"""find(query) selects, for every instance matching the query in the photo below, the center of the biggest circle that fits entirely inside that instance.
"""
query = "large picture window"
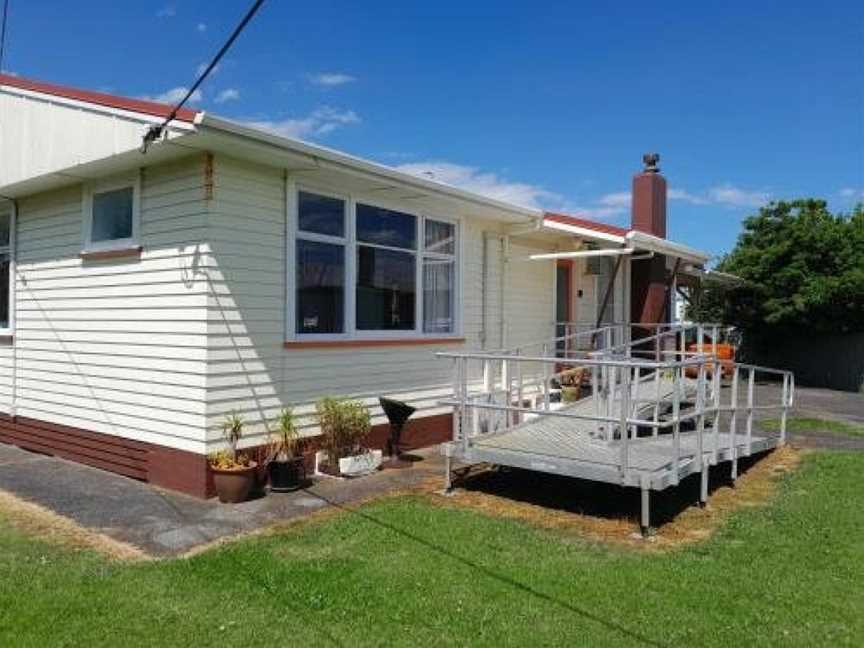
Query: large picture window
(364, 270)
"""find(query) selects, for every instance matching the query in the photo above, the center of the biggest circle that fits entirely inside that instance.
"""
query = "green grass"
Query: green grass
(801, 424)
(404, 572)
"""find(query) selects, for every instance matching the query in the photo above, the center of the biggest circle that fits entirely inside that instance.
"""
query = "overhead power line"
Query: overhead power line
(155, 131)
(3, 32)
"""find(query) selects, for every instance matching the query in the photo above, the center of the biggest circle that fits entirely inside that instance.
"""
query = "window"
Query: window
(386, 270)
(111, 215)
(5, 270)
(439, 277)
(363, 270)
(320, 264)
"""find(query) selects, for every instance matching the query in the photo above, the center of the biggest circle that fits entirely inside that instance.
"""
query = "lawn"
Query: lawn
(802, 424)
(404, 571)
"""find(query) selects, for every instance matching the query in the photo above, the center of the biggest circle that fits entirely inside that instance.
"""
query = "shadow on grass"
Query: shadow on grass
(488, 572)
(598, 499)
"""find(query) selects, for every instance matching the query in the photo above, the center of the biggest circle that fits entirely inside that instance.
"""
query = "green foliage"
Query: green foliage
(344, 424)
(232, 430)
(286, 442)
(803, 267)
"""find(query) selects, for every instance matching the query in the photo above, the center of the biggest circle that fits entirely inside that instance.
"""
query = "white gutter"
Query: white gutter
(583, 232)
(326, 157)
(642, 241)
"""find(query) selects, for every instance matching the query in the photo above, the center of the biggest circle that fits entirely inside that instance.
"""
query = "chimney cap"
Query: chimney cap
(650, 160)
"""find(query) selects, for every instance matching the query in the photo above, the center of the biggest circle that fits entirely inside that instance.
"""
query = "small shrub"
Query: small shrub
(343, 424)
(286, 443)
(228, 459)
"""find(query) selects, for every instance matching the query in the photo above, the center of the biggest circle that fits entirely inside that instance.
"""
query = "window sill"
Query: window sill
(115, 253)
(383, 342)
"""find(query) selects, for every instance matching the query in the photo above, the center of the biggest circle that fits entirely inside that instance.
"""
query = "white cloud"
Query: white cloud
(731, 196)
(319, 122)
(167, 12)
(331, 79)
(203, 66)
(9, 73)
(174, 95)
(228, 94)
(620, 199)
(852, 194)
(201, 27)
(685, 196)
(482, 182)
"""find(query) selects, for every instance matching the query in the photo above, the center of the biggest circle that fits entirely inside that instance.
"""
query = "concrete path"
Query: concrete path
(164, 523)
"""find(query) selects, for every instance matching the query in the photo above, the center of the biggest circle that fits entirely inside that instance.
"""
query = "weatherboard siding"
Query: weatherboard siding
(250, 372)
(115, 346)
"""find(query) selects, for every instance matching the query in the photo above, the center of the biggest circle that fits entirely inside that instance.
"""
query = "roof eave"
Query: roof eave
(341, 161)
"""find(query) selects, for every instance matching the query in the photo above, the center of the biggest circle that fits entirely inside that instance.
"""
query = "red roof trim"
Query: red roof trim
(99, 98)
(566, 219)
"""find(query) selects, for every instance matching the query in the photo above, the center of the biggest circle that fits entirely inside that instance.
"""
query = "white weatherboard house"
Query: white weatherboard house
(144, 296)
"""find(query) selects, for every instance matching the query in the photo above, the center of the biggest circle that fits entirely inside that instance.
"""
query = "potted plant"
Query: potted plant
(344, 424)
(233, 472)
(571, 384)
(285, 461)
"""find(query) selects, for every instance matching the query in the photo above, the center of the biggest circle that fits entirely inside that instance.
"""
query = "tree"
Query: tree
(803, 270)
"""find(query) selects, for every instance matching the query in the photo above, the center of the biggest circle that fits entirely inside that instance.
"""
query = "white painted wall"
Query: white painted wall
(41, 133)
(248, 369)
(119, 346)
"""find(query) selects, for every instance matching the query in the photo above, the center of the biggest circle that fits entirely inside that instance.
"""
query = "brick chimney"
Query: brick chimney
(649, 198)
(649, 297)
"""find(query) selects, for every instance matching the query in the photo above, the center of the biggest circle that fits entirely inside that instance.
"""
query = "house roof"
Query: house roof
(142, 106)
(212, 132)
(567, 219)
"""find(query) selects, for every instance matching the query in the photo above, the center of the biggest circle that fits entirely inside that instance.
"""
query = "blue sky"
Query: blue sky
(550, 104)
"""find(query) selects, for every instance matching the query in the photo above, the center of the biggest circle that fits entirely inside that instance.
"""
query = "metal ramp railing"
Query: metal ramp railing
(651, 416)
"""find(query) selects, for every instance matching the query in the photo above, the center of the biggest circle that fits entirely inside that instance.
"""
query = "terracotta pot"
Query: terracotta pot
(234, 486)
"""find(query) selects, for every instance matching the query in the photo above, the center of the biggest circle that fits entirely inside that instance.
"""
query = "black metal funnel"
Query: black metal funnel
(397, 414)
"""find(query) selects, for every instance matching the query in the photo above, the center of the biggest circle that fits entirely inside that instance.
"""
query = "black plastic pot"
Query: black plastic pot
(288, 475)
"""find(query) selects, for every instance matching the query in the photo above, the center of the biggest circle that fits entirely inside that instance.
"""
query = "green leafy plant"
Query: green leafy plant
(232, 431)
(286, 442)
(344, 424)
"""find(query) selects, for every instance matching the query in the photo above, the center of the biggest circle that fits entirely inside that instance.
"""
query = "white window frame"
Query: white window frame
(113, 184)
(9, 249)
(351, 244)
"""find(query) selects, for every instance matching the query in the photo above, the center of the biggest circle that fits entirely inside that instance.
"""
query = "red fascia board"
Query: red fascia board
(99, 98)
(566, 219)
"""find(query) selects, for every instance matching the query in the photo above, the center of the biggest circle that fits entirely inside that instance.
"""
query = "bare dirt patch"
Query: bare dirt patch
(48, 526)
(609, 514)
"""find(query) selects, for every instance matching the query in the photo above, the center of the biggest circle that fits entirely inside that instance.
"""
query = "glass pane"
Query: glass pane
(440, 237)
(320, 287)
(439, 292)
(386, 227)
(112, 215)
(5, 221)
(385, 290)
(4, 291)
(320, 214)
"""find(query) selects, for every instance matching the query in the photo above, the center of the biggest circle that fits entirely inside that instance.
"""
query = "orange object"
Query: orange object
(725, 355)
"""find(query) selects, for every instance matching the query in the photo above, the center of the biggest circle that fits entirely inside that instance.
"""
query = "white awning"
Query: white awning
(581, 254)
(710, 275)
(642, 241)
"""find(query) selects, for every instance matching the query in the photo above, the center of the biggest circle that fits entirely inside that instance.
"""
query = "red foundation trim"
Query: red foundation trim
(171, 468)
